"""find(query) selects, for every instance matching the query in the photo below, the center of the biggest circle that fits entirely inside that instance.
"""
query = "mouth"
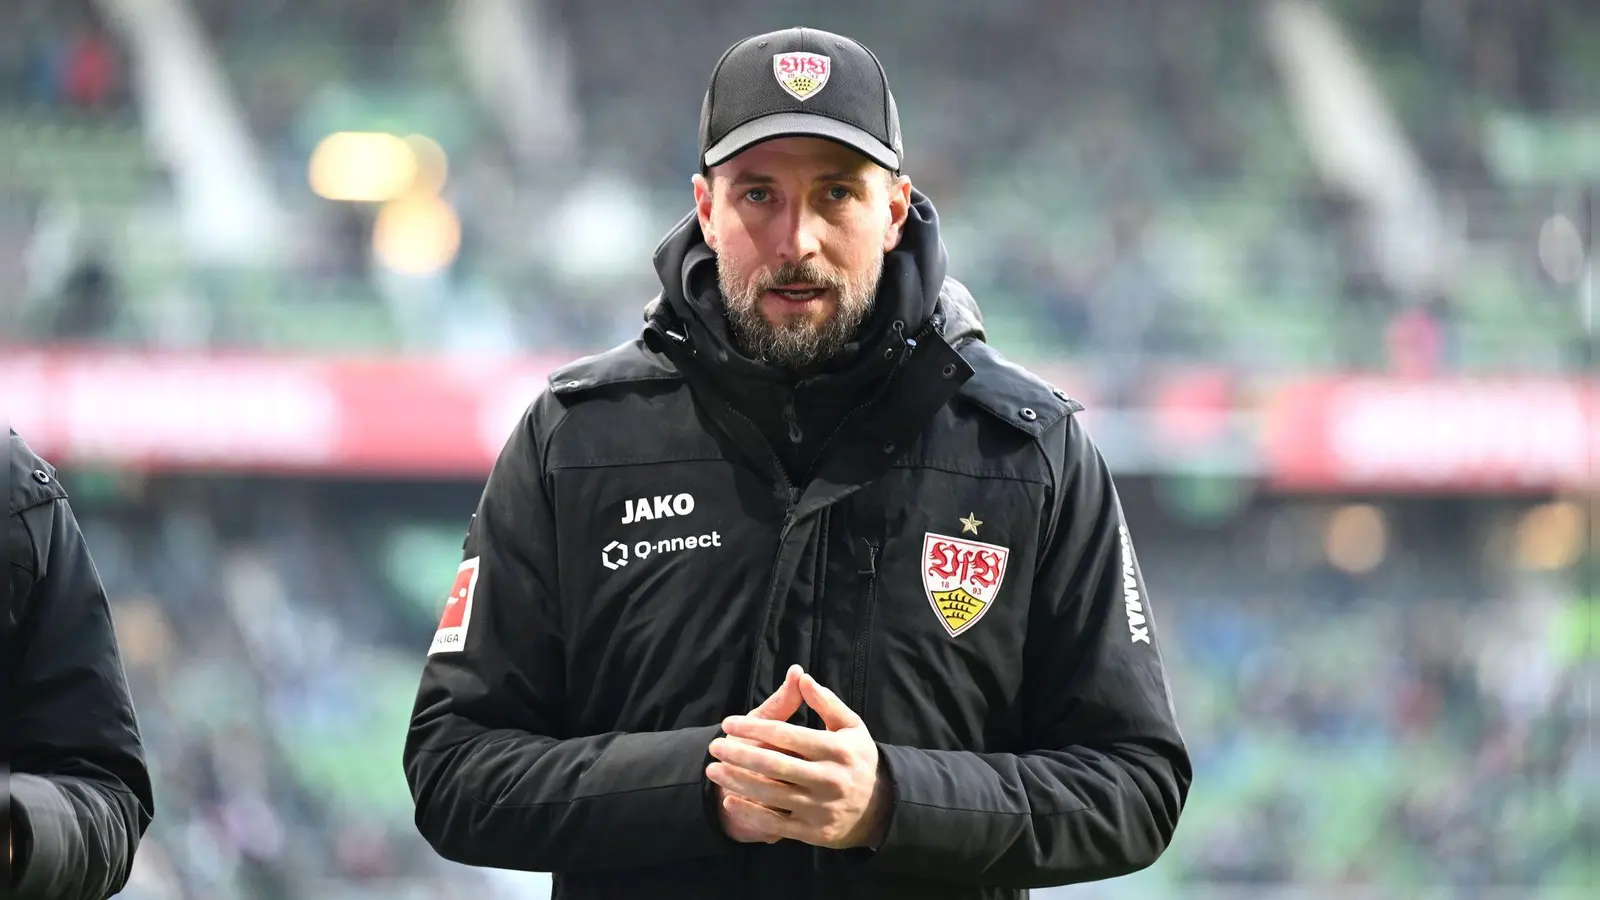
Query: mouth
(797, 293)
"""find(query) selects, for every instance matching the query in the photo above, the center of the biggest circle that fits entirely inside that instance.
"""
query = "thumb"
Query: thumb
(784, 702)
(836, 716)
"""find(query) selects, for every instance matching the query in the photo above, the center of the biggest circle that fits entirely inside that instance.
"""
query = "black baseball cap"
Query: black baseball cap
(799, 82)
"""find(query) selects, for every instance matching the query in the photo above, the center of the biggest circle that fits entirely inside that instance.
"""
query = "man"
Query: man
(79, 791)
(807, 592)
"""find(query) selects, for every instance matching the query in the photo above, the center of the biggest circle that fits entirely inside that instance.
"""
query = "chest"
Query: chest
(689, 586)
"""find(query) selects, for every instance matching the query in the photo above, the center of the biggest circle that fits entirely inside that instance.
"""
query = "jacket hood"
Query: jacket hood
(910, 291)
(961, 319)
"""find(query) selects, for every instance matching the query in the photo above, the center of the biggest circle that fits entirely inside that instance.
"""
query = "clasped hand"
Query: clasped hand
(780, 781)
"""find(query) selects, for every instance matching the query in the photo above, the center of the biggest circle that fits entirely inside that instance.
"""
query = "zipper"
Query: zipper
(791, 499)
(863, 640)
(812, 720)
(816, 610)
(792, 495)
(822, 450)
(789, 489)
(858, 690)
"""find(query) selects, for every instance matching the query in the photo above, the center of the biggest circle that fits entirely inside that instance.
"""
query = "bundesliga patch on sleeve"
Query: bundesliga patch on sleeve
(452, 634)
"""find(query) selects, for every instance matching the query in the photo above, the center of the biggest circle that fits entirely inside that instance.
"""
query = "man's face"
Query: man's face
(800, 227)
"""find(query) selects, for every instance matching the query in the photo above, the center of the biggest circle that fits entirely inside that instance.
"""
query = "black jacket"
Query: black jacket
(80, 797)
(641, 565)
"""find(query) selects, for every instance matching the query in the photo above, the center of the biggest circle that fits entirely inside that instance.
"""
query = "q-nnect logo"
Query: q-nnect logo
(616, 554)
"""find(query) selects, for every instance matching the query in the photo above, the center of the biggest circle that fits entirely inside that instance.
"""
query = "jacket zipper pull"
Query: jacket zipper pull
(795, 435)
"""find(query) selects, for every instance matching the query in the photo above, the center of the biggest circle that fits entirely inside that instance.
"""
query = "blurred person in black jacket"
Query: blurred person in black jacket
(77, 796)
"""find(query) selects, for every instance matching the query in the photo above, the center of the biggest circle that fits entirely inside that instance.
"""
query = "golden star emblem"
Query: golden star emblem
(971, 523)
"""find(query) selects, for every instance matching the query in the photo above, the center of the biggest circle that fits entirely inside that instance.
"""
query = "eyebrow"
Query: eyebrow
(756, 178)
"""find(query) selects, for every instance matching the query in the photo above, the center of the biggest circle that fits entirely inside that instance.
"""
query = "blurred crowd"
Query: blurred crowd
(1410, 727)
(272, 660)
(61, 55)
(1421, 726)
(1126, 183)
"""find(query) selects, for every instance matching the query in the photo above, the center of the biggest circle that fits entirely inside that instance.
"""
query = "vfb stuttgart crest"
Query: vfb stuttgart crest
(961, 578)
(801, 74)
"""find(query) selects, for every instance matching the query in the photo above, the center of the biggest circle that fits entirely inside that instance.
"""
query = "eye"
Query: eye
(839, 192)
(756, 195)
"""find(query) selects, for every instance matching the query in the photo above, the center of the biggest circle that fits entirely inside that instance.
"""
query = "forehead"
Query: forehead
(796, 157)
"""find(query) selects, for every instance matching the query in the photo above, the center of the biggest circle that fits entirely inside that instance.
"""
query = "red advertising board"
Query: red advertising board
(449, 418)
(1451, 434)
(269, 413)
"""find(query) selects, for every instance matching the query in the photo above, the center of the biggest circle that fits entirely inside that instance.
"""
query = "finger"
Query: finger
(801, 773)
(754, 817)
(775, 795)
(807, 743)
(833, 711)
(785, 701)
(764, 746)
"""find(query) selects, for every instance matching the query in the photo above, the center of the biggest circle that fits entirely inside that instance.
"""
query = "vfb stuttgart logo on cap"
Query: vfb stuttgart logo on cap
(801, 74)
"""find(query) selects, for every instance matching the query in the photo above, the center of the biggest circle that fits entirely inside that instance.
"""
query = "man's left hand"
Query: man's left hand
(830, 786)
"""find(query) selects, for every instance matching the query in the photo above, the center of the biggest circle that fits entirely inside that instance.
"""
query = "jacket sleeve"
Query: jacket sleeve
(499, 777)
(1105, 773)
(80, 790)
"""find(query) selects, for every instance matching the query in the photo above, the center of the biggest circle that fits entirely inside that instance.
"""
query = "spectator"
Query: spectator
(90, 72)
(1415, 339)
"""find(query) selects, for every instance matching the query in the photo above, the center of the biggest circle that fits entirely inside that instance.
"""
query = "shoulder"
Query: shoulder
(1000, 387)
(33, 491)
(627, 369)
(1012, 394)
(592, 407)
(1059, 445)
(629, 364)
(33, 480)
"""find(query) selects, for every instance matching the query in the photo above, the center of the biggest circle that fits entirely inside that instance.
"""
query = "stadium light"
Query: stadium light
(433, 164)
(362, 167)
(416, 234)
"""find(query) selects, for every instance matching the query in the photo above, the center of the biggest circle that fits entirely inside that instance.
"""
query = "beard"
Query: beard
(797, 342)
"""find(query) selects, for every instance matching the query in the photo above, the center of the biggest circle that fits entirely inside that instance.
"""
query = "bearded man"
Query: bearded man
(806, 592)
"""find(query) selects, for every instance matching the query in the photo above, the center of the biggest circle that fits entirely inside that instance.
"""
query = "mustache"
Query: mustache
(788, 273)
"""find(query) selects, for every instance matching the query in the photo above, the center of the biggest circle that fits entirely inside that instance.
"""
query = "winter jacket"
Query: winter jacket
(79, 790)
(954, 564)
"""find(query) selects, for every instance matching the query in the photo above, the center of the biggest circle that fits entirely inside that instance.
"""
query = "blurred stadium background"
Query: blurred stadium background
(281, 273)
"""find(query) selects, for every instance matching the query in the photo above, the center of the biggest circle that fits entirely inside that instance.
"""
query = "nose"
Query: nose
(799, 240)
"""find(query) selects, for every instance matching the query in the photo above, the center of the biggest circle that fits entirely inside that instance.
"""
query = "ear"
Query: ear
(702, 206)
(899, 210)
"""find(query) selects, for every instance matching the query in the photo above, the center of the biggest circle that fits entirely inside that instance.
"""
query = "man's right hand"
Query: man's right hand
(779, 707)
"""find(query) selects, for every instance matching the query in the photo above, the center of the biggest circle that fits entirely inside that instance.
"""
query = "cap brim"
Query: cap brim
(793, 124)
